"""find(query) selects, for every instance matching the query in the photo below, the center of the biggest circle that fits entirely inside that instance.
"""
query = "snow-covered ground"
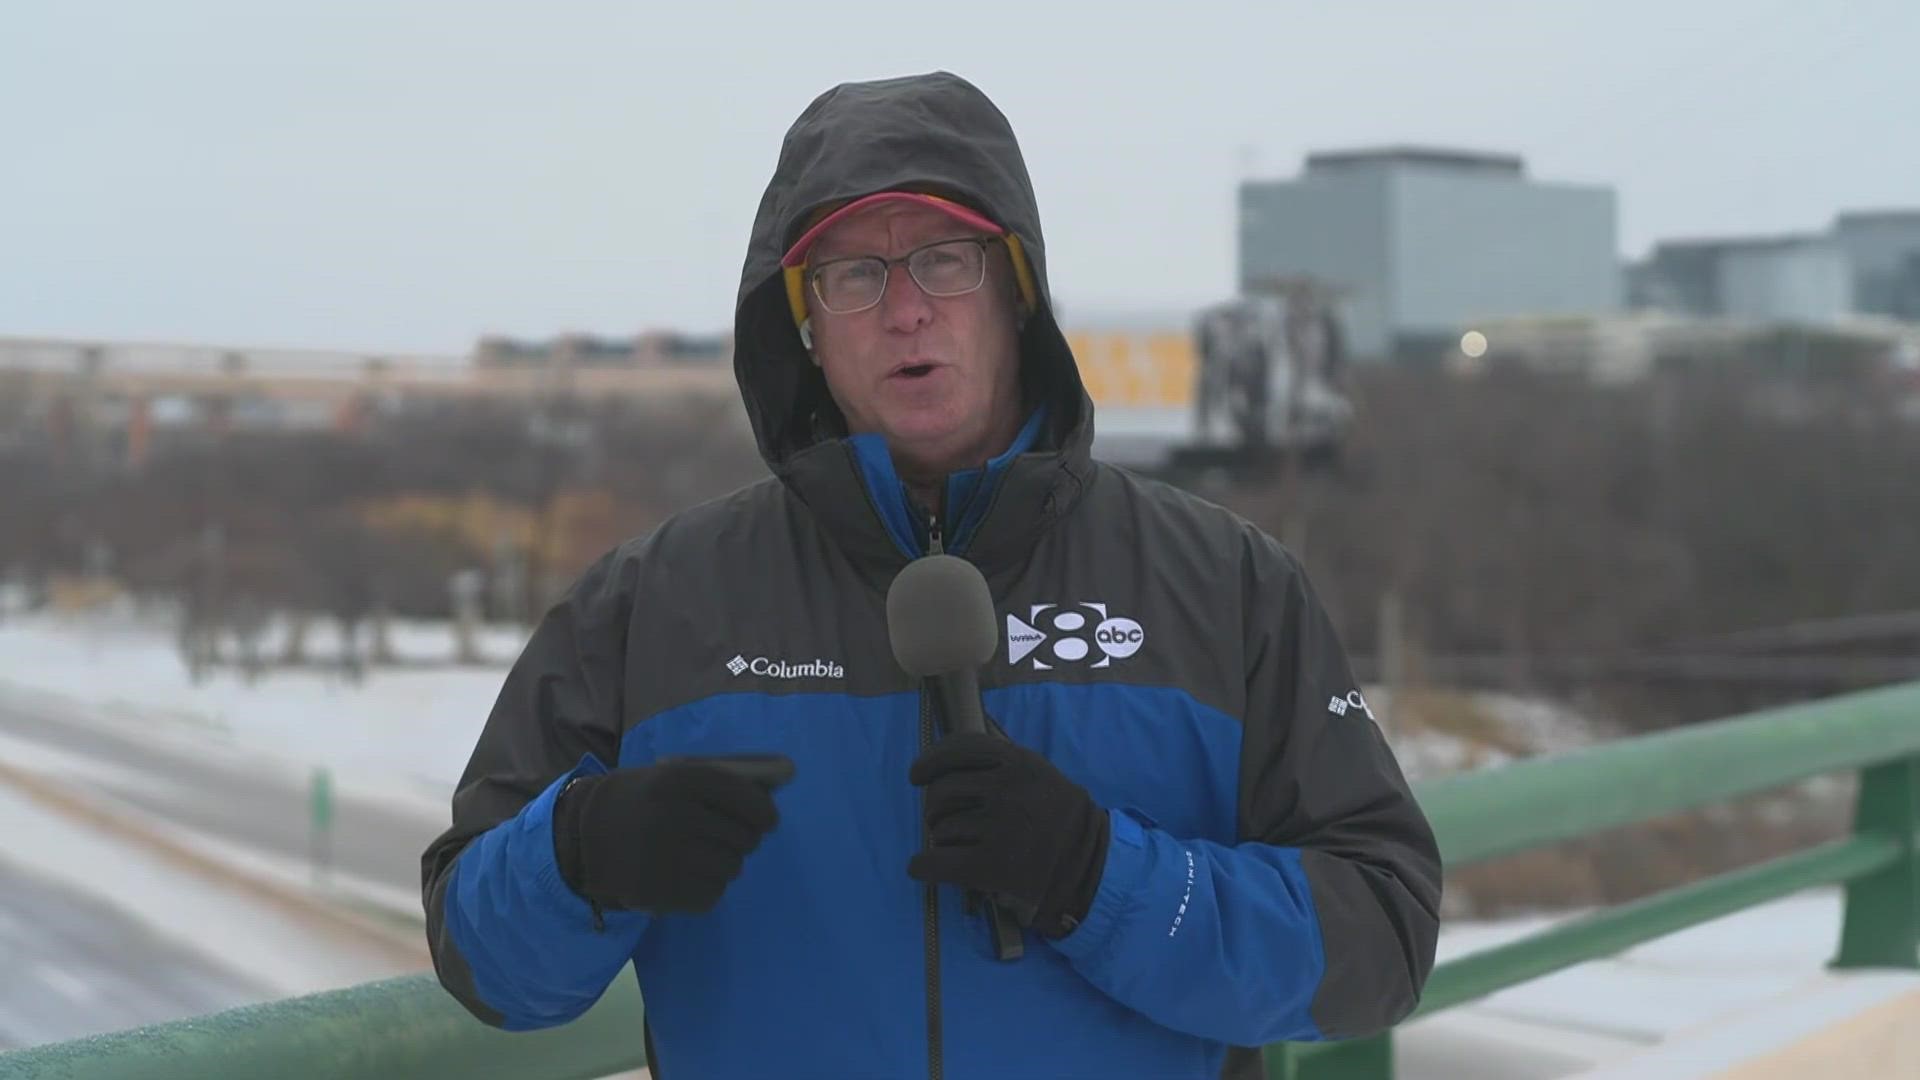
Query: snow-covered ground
(232, 923)
(407, 732)
(1687, 1005)
(400, 724)
(419, 724)
(279, 947)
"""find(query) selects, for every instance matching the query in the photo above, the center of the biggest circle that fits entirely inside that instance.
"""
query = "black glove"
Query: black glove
(658, 838)
(1001, 820)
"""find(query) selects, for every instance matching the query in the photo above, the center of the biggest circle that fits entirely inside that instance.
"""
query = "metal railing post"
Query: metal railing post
(1881, 926)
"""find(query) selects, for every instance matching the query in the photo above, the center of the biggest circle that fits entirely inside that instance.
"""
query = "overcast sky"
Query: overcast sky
(401, 175)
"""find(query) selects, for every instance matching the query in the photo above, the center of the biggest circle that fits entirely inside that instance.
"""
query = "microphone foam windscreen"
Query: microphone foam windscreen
(940, 616)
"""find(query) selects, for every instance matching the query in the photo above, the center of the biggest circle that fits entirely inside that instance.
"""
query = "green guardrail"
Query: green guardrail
(410, 1027)
(403, 1027)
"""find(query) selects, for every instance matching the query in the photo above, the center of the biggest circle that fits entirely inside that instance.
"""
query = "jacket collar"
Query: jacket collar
(995, 513)
(967, 495)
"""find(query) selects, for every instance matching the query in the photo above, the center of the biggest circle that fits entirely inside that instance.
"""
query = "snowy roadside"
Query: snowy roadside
(402, 736)
(67, 780)
(118, 791)
(404, 730)
(359, 773)
(407, 731)
(285, 947)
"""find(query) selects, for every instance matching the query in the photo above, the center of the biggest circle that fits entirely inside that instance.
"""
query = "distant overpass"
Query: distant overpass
(1142, 379)
(138, 370)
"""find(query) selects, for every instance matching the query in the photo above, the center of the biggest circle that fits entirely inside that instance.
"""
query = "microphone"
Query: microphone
(940, 621)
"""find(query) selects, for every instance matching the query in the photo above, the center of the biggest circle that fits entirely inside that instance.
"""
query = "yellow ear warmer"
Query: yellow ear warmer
(1023, 274)
(797, 293)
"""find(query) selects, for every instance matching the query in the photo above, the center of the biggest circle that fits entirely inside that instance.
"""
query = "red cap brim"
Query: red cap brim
(797, 254)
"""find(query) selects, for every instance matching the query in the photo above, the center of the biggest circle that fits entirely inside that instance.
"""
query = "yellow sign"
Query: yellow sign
(1142, 368)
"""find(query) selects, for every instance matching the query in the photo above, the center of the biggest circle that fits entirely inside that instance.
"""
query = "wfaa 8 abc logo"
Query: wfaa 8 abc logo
(1057, 635)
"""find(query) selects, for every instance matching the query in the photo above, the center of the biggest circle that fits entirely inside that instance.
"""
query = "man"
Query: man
(1185, 790)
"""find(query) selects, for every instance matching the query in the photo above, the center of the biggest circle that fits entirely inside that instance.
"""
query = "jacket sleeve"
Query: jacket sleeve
(510, 939)
(1322, 921)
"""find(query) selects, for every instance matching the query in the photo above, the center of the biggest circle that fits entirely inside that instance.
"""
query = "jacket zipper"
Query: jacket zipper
(932, 929)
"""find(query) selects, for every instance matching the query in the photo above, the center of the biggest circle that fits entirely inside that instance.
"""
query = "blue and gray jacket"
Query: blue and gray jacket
(1269, 875)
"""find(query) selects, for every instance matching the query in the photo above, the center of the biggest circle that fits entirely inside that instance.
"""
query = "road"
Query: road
(76, 967)
(265, 809)
(90, 946)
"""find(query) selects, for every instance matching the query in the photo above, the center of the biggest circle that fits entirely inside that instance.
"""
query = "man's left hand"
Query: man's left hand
(1002, 820)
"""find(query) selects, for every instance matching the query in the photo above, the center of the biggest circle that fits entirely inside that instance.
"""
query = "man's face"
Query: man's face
(937, 376)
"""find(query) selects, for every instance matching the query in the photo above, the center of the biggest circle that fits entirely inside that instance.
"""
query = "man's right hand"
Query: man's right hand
(659, 838)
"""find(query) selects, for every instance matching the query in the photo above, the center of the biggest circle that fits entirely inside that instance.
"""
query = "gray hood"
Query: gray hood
(934, 132)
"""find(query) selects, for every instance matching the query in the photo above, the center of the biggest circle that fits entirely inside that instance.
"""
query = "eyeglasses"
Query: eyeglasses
(942, 268)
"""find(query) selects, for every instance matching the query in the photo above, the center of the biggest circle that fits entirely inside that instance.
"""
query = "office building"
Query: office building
(1422, 243)
(1883, 248)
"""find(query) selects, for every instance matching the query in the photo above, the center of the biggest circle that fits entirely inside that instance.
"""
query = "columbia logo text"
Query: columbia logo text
(786, 669)
(1340, 706)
